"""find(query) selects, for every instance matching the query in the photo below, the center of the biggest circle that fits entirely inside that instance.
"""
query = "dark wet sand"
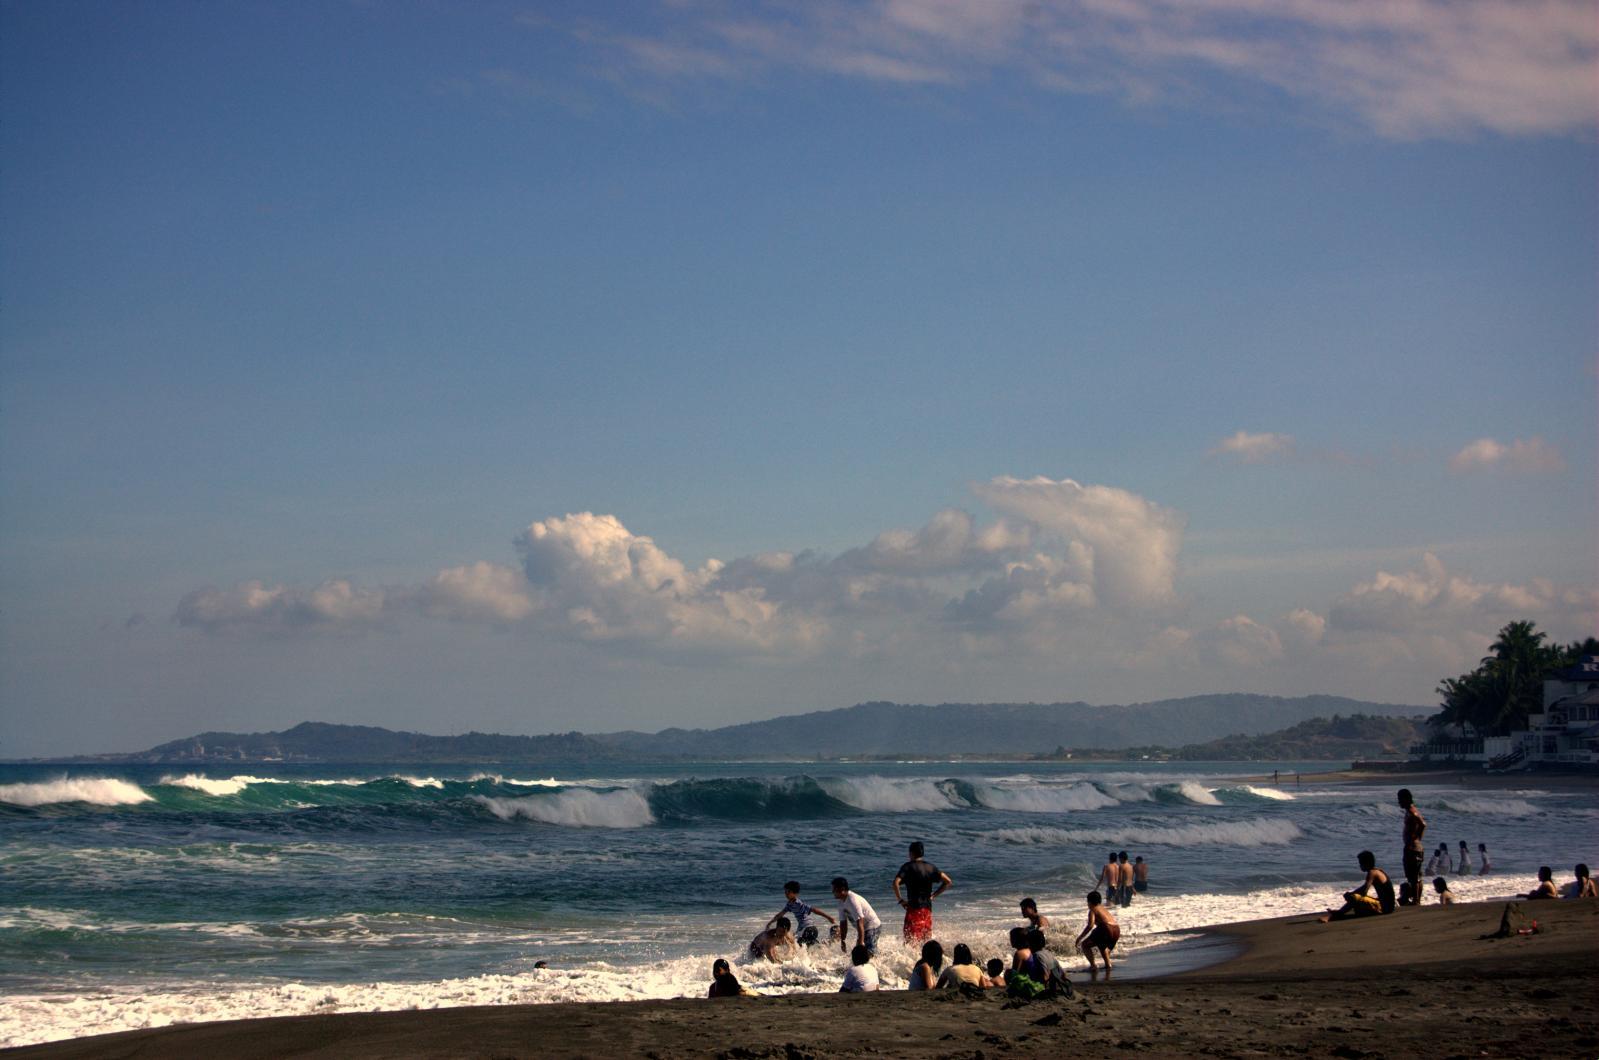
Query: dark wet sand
(1420, 983)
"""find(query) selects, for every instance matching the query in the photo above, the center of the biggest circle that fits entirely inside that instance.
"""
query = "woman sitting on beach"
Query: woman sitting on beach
(961, 971)
(1100, 933)
(1445, 895)
(1361, 901)
(1018, 942)
(925, 975)
(725, 984)
(776, 943)
(1582, 886)
(1546, 885)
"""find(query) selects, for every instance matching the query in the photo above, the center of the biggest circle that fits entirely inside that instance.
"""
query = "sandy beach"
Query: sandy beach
(1421, 983)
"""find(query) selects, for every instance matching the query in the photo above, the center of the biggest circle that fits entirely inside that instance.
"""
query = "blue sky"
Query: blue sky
(545, 366)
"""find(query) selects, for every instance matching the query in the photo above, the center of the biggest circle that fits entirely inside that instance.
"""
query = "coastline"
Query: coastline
(1422, 982)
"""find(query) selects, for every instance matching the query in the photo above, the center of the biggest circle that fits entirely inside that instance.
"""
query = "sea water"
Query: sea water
(139, 896)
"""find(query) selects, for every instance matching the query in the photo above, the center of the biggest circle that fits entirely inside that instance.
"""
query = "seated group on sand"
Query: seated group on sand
(1375, 895)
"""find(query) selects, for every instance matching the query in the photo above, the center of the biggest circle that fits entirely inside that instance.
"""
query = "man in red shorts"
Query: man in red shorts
(919, 876)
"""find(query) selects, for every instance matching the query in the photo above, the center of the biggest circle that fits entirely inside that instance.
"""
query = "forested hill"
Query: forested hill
(863, 730)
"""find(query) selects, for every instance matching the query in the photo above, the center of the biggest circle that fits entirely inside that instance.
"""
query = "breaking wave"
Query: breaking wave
(96, 791)
(1265, 832)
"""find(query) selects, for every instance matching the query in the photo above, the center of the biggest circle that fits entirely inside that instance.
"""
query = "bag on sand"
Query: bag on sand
(1020, 984)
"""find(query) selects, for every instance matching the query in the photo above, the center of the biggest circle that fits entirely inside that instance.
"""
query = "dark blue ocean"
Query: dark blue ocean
(139, 896)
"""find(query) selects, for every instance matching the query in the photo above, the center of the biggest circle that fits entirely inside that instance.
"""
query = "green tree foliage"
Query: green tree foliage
(1507, 685)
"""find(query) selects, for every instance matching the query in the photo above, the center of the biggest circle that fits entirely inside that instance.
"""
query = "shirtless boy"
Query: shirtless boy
(1100, 933)
(1124, 880)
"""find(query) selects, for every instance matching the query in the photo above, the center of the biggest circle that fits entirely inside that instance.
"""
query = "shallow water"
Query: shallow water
(143, 895)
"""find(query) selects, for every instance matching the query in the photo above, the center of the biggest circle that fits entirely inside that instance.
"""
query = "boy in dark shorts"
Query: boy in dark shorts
(1100, 933)
(804, 931)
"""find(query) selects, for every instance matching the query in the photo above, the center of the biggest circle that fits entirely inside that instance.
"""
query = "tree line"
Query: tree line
(1496, 697)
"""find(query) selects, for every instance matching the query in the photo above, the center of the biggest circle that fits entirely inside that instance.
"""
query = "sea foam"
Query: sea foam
(1267, 831)
(100, 791)
(576, 808)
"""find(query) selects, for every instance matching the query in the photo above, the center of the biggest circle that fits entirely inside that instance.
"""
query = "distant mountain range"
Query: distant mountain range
(862, 731)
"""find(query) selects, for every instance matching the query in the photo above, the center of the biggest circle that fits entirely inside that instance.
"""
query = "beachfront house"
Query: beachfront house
(1564, 734)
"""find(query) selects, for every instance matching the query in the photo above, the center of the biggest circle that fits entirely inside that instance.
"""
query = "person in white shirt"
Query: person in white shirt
(1482, 857)
(1464, 868)
(862, 975)
(853, 909)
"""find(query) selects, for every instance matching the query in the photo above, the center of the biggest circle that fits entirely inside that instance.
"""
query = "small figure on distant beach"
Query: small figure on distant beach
(1140, 875)
(1362, 901)
(924, 976)
(1101, 934)
(1583, 886)
(1035, 919)
(1546, 885)
(919, 876)
(1445, 895)
(724, 983)
(804, 931)
(862, 974)
(961, 971)
(1482, 859)
(1124, 880)
(853, 909)
(1464, 868)
(1415, 828)
(775, 943)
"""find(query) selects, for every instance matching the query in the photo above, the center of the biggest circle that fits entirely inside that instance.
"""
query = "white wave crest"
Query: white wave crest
(1490, 806)
(422, 782)
(1270, 831)
(1197, 794)
(886, 795)
(101, 791)
(214, 785)
(578, 808)
(551, 782)
(1044, 798)
(1267, 793)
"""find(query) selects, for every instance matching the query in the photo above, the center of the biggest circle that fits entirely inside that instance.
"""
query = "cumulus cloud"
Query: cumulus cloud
(1414, 69)
(1241, 642)
(1530, 456)
(1432, 599)
(476, 592)
(1254, 448)
(255, 607)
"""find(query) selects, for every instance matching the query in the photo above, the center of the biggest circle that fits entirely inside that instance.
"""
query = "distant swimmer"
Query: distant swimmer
(1464, 868)
(1415, 827)
(919, 876)
(853, 909)
(1484, 865)
(1124, 880)
(804, 930)
(1140, 875)
(1100, 934)
(775, 943)
(1035, 919)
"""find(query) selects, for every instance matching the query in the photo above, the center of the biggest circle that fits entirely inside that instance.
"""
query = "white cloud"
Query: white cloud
(1240, 641)
(1406, 69)
(1432, 600)
(254, 607)
(1254, 448)
(1523, 456)
(476, 592)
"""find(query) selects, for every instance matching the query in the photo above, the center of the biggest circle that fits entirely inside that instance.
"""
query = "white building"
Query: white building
(1565, 732)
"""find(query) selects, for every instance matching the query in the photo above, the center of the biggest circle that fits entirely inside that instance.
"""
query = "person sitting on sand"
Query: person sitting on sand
(1362, 901)
(961, 971)
(804, 930)
(1546, 885)
(925, 975)
(1100, 933)
(775, 943)
(862, 975)
(853, 909)
(1018, 942)
(1464, 868)
(994, 973)
(1582, 886)
(1035, 919)
(1445, 895)
(1044, 965)
(725, 984)
(1140, 875)
(1482, 860)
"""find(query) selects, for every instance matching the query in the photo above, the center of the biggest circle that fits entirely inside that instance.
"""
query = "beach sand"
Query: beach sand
(1419, 983)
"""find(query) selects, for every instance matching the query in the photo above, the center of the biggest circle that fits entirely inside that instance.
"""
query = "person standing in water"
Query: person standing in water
(919, 876)
(1415, 828)
(1464, 868)
(1482, 858)
(1110, 877)
(1140, 875)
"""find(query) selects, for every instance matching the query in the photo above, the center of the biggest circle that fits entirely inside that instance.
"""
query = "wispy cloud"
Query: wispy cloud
(1254, 448)
(1403, 68)
(1530, 456)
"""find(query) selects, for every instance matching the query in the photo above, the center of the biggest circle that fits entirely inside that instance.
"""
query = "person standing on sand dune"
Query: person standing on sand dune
(1415, 828)
(919, 876)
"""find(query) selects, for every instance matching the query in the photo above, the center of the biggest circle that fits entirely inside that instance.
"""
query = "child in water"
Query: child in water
(1100, 933)
(1445, 895)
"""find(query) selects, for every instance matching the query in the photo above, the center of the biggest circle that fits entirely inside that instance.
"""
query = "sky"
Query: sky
(530, 367)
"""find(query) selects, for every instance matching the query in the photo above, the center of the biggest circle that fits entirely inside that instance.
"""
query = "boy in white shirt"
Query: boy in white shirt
(853, 909)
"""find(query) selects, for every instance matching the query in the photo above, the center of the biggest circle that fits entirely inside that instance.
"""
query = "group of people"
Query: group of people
(1121, 879)
(916, 885)
(1439, 863)
(1375, 895)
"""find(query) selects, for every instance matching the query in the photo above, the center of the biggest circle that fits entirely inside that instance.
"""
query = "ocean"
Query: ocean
(137, 896)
